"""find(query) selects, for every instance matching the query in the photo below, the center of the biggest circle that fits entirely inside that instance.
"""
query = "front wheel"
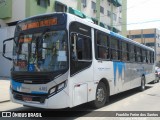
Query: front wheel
(101, 96)
(143, 82)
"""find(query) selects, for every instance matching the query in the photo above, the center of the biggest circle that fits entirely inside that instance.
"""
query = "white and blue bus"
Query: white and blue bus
(61, 60)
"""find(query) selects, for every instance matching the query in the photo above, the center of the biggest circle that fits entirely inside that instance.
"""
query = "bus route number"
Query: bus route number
(42, 88)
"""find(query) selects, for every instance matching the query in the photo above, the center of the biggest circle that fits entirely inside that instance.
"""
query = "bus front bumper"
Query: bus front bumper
(59, 100)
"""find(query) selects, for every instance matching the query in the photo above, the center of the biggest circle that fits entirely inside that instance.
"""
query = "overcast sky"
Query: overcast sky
(146, 13)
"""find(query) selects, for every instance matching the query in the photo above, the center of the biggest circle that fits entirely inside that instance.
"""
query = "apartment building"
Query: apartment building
(110, 14)
(148, 37)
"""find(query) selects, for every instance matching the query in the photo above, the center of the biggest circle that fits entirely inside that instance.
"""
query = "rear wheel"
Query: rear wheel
(101, 96)
(143, 82)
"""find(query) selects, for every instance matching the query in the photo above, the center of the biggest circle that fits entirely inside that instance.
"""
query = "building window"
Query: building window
(60, 7)
(151, 44)
(84, 3)
(135, 36)
(143, 36)
(43, 3)
(102, 10)
(120, 9)
(114, 17)
(93, 5)
(108, 13)
(149, 35)
(120, 20)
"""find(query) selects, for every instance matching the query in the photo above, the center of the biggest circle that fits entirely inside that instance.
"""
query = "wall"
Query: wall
(6, 65)
(17, 9)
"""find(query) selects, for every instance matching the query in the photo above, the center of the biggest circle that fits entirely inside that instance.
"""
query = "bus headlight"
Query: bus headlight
(52, 90)
(57, 88)
(60, 86)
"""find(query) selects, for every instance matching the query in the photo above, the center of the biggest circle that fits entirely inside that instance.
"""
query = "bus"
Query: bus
(61, 61)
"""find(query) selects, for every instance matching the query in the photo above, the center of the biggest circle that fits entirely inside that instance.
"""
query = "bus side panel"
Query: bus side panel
(82, 86)
(104, 70)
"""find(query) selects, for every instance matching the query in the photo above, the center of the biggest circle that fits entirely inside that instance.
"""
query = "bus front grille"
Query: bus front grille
(32, 79)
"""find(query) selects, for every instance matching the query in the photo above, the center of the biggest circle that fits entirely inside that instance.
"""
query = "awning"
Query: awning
(109, 27)
(102, 24)
(59, 8)
(76, 12)
(119, 3)
(89, 19)
(95, 20)
(115, 30)
(116, 3)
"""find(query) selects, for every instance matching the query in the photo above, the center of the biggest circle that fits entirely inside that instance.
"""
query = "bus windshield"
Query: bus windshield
(41, 52)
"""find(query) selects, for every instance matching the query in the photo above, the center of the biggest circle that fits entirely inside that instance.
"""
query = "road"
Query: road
(132, 100)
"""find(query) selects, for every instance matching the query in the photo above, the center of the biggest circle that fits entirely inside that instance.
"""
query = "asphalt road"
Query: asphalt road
(132, 100)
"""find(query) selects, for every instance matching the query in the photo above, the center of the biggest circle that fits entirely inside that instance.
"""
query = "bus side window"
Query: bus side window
(132, 54)
(102, 45)
(125, 56)
(73, 46)
(83, 45)
(114, 49)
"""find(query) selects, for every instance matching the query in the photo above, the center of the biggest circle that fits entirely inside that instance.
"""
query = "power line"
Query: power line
(141, 3)
(139, 22)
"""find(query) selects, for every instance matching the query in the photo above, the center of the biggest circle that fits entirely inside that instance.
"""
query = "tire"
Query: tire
(143, 82)
(102, 96)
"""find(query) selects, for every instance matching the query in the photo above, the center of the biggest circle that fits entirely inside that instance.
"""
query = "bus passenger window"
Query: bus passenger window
(114, 49)
(102, 45)
(83, 46)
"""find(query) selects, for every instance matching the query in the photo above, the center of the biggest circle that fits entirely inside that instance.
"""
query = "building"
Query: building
(148, 37)
(110, 14)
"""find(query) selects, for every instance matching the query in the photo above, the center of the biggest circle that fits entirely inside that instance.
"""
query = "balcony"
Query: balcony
(5, 9)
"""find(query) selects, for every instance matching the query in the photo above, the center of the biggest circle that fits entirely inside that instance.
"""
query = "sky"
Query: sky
(142, 14)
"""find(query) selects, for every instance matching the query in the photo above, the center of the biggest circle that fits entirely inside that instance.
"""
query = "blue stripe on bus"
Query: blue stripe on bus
(117, 35)
(37, 92)
(15, 85)
(118, 67)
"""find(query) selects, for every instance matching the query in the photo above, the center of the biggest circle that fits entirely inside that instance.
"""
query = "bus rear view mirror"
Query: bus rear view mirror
(4, 48)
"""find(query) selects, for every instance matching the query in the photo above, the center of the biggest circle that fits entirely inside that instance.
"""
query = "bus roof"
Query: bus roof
(108, 31)
(89, 23)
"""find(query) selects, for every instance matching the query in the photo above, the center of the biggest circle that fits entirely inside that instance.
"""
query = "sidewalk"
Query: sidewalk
(4, 89)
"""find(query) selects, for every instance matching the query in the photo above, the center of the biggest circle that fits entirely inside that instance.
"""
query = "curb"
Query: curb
(4, 101)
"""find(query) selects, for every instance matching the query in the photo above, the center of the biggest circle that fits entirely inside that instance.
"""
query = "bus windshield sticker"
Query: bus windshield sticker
(31, 67)
(62, 56)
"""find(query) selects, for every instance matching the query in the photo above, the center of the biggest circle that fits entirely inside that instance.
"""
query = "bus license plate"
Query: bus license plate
(26, 98)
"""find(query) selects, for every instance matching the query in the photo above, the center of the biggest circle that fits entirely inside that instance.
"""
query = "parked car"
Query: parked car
(157, 73)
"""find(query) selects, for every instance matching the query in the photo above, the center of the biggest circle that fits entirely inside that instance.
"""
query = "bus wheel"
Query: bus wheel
(143, 81)
(101, 96)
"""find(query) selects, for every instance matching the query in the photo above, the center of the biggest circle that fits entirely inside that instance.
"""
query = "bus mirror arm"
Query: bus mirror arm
(4, 48)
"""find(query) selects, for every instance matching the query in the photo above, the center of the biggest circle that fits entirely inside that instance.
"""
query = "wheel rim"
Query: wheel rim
(100, 94)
